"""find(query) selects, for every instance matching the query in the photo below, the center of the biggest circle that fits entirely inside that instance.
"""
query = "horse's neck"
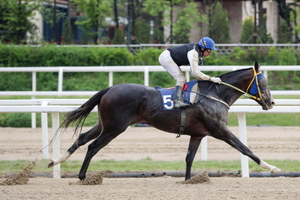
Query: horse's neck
(241, 82)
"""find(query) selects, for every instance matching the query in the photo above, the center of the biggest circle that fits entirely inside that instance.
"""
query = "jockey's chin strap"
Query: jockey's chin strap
(246, 93)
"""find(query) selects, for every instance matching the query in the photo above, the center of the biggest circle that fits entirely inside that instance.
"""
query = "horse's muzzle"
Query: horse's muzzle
(267, 105)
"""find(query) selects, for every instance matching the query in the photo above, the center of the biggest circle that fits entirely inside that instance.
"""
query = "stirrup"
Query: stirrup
(179, 104)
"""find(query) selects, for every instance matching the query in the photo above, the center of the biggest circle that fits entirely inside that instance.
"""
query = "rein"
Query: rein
(246, 93)
(219, 100)
(200, 95)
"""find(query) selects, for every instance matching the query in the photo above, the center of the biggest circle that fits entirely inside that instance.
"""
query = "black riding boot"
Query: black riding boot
(177, 99)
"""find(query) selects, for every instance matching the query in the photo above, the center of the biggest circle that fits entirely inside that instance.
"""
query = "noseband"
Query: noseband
(251, 86)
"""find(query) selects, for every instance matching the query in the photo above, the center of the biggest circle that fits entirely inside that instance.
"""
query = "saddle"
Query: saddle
(190, 90)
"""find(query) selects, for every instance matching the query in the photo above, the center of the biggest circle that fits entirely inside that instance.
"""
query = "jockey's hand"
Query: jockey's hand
(215, 79)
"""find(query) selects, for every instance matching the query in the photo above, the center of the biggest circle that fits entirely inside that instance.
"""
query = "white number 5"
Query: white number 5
(168, 102)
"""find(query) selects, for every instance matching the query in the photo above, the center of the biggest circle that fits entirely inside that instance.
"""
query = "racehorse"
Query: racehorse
(121, 105)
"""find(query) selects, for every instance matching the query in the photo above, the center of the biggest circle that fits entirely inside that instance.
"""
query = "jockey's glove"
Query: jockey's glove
(215, 79)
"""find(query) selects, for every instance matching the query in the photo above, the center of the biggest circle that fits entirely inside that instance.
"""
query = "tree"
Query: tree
(219, 27)
(265, 36)
(180, 25)
(295, 18)
(116, 14)
(95, 12)
(67, 32)
(247, 31)
(283, 34)
(16, 19)
(289, 14)
(184, 23)
(51, 16)
(118, 37)
(142, 31)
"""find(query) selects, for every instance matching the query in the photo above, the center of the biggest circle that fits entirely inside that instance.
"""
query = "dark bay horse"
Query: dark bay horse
(121, 105)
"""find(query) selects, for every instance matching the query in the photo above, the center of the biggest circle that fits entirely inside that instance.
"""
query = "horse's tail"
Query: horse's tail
(79, 115)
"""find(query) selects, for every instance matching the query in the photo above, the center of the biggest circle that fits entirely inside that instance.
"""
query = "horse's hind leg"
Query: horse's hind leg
(81, 140)
(192, 150)
(105, 137)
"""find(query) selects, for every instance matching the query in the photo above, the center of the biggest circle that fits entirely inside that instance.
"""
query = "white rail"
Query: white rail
(91, 93)
(146, 69)
(110, 70)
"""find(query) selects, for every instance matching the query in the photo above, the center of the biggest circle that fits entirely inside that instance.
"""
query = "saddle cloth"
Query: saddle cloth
(190, 90)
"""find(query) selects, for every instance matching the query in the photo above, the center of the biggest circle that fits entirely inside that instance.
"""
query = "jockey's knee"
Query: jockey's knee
(180, 81)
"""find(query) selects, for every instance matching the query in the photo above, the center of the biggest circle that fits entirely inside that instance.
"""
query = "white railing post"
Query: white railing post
(243, 139)
(56, 143)
(266, 73)
(33, 115)
(45, 141)
(110, 78)
(204, 148)
(146, 76)
(187, 76)
(60, 79)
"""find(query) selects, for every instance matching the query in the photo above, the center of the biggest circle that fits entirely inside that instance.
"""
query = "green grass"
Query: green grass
(147, 165)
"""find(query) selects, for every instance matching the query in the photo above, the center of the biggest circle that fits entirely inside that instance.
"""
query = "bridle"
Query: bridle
(251, 86)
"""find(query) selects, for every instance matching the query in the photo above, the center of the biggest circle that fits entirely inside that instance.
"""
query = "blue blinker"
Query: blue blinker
(253, 90)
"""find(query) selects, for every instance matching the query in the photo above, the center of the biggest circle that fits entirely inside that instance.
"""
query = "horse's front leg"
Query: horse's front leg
(232, 140)
(82, 140)
(192, 150)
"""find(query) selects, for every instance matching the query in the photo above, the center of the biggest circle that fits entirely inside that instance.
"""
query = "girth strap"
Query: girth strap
(182, 121)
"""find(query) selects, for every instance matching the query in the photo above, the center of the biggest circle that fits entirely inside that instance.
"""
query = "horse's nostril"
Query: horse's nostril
(273, 103)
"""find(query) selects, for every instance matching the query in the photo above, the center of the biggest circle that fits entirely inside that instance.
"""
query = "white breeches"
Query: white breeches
(171, 67)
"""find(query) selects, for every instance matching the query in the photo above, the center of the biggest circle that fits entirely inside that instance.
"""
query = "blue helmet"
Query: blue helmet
(207, 43)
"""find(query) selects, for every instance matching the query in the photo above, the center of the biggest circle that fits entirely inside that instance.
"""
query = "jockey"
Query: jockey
(187, 54)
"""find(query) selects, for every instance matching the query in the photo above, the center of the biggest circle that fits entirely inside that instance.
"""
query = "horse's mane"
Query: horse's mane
(233, 73)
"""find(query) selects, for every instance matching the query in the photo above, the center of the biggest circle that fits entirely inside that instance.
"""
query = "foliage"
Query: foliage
(295, 17)
(187, 15)
(67, 32)
(272, 56)
(287, 57)
(219, 27)
(142, 31)
(51, 55)
(18, 120)
(184, 22)
(147, 57)
(247, 31)
(155, 7)
(95, 12)
(119, 37)
(161, 79)
(283, 33)
(266, 37)
(239, 56)
(47, 13)
(16, 18)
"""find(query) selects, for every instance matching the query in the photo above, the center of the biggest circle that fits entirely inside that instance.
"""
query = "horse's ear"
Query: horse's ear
(257, 66)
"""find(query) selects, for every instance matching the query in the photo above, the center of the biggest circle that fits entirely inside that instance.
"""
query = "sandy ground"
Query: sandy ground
(146, 142)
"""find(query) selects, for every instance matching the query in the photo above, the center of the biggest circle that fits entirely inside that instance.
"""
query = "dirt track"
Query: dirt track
(139, 143)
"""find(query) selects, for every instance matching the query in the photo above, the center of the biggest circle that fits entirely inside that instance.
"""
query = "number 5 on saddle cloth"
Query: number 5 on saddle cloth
(190, 90)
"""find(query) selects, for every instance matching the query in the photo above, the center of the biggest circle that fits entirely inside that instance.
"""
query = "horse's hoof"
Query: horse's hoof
(275, 170)
(51, 164)
(81, 177)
